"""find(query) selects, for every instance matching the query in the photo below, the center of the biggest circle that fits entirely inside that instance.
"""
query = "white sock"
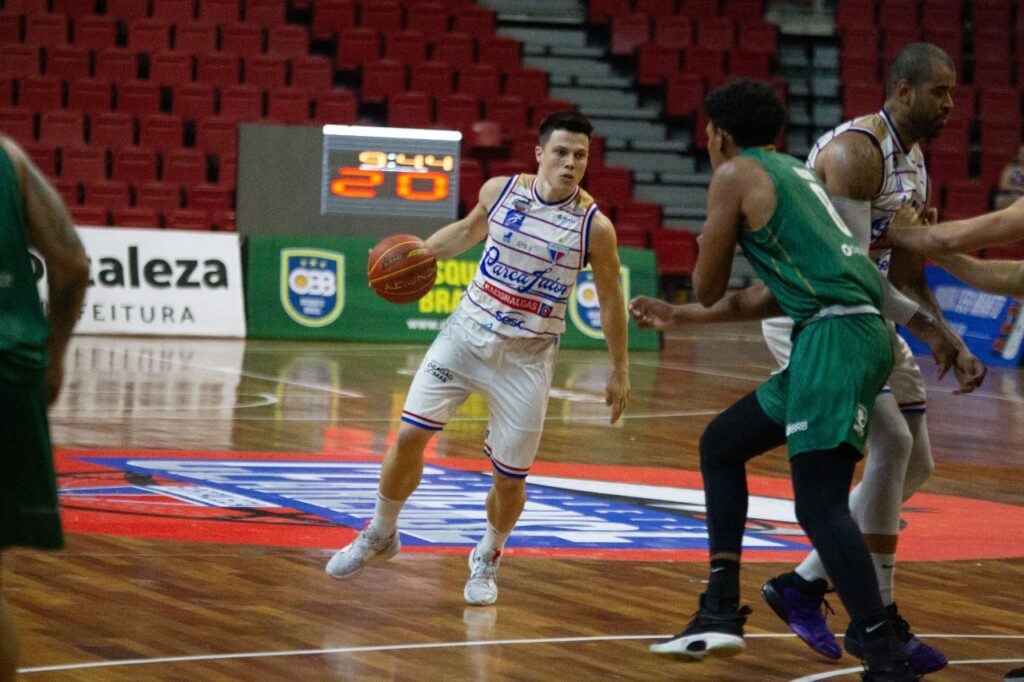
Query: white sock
(885, 567)
(493, 540)
(385, 516)
(811, 568)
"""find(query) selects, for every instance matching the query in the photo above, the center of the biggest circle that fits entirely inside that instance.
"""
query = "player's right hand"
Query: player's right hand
(651, 313)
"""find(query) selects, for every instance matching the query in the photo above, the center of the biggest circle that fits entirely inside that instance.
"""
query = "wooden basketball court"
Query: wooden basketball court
(117, 605)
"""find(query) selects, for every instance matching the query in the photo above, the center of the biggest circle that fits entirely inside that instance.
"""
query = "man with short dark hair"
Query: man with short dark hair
(777, 211)
(502, 340)
(32, 346)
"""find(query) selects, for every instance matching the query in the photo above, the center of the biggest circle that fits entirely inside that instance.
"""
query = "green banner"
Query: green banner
(314, 287)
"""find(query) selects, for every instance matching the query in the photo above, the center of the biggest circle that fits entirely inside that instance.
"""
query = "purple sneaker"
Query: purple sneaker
(801, 605)
(923, 659)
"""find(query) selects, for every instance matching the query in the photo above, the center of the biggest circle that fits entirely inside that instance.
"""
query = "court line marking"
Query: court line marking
(474, 643)
(847, 671)
(70, 417)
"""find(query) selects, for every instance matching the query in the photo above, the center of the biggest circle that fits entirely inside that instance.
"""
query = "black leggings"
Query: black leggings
(821, 488)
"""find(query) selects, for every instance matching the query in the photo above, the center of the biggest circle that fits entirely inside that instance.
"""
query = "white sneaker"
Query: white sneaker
(481, 588)
(368, 548)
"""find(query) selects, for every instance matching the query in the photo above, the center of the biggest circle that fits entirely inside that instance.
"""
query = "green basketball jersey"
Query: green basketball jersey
(805, 254)
(23, 327)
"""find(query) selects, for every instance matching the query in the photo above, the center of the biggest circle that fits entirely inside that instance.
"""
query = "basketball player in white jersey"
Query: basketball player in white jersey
(501, 341)
(871, 166)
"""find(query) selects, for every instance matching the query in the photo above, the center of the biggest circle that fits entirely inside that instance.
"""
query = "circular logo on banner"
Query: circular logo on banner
(574, 510)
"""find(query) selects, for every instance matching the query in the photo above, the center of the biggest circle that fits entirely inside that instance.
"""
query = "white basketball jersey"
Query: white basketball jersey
(533, 253)
(904, 178)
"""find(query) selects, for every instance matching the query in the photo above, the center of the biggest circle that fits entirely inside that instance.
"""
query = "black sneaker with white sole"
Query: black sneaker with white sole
(716, 634)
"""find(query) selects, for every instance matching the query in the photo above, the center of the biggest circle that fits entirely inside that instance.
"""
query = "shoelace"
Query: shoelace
(707, 617)
(482, 568)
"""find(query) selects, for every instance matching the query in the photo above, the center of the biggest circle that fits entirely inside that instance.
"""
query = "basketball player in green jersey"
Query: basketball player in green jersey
(779, 214)
(31, 358)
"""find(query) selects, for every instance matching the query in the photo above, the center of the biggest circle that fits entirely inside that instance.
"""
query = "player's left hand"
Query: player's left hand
(616, 393)
(969, 371)
(651, 313)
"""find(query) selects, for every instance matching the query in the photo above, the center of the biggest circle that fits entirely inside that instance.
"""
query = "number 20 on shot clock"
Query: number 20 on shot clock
(390, 171)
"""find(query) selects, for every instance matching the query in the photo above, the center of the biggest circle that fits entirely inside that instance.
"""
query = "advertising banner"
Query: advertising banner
(314, 287)
(990, 325)
(159, 282)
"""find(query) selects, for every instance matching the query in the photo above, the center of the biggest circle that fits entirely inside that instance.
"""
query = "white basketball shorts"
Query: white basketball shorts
(514, 374)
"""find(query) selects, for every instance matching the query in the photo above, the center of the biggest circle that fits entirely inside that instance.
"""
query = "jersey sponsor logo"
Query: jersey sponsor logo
(563, 220)
(518, 302)
(513, 219)
(556, 252)
(572, 510)
(442, 374)
(510, 318)
(796, 427)
(860, 420)
(521, 281)
(521, 204)
(312, 285)
(585, 306)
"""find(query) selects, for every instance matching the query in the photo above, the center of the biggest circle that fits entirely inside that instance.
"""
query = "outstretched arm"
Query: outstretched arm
(753, 303)
(454, 238)
(996, 276)
(604, 259)
(956, 236)
(50, 231)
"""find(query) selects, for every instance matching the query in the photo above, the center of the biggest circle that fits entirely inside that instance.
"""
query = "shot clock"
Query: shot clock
(390, 171)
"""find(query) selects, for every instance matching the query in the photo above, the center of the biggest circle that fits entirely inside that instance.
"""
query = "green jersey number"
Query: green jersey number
(819, 192)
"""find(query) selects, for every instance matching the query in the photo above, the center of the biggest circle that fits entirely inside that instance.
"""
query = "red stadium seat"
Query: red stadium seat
(337, 106)
(134, 165)
(173, 11)
(659, 9)
(217, 69)
(210, 198)
(162, 196)
(408, 47)
(743, 11)
(95, 33)
(858, 68)
(674, 32)
(471, 179)
(111, 130)
(227, 167)
(330, 17)
(170, 68)
(855, 13)
(530, 84)
(654, 64)
(510, 111)
(195, 37)
(704, 61)
(476, 20)
(188, 219)
(676, 251)
(67, 63)
(149, 35)
(242, 40)
(897, 12)
(288, 40)
(457, 49)
(138, 98)
(504, 53)
(482, 80)
(698, 9)
(992, 72)
(89, 215)
(136, 216)
(357, 46)
(895, 38)
(611, 185)
(162, 132)
(500, 167)
(758, 36)
(269, 72)
(312, 74)
(223, 12)
(224, 221)
(458, 112)
(44, 156)
(965, 199)
(991, 15)
(19, 61)
(288, 105)
(600, 12)
(433, 78)
(10, 29)
(265, 12)
(999, 136)
(62, 128)
(629, 31)
(72, 8)
(193, 101)
(860, 40)
(717, 33)
(68, 191)
(127, 9)
(485, 140)
(862, 98)
(242, 102)
(116, 64)
(382, 79)
(746, 64)
(108, 194)
(82, 164)
(217, 135)
(39, 93)
(942, 13)
(429, 17)
(384, 16)
(48, 30)
(998, 104)
(541, 110)
(184, 167)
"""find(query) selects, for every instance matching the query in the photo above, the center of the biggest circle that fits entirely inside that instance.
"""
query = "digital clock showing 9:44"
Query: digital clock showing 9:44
(402, 171)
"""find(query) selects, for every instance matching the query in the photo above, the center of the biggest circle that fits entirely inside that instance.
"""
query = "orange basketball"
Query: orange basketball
(400, 268)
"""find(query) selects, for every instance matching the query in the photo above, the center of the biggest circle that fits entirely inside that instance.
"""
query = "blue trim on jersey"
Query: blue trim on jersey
(501, 197)
(558, 202)
(408, 420)
(586, 235)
